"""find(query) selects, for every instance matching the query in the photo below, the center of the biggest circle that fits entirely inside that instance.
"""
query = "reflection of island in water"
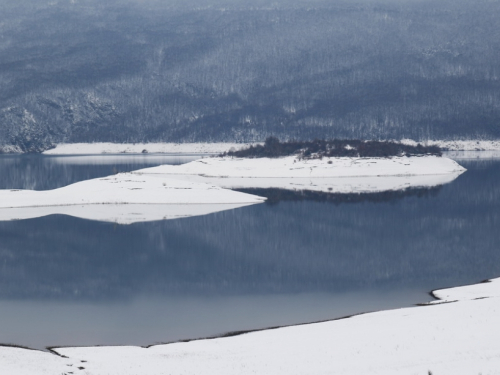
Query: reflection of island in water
(441, 236)
(129, 198)
(275, 195)
(62, 186)
(164, 273)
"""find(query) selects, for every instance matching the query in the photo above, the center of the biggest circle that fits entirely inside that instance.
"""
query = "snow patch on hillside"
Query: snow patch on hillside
(10, 149)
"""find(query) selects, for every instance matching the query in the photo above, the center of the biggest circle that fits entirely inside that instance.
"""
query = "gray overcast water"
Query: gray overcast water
(68, 281)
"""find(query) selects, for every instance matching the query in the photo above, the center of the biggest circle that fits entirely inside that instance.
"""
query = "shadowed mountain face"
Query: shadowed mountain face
(206, 70)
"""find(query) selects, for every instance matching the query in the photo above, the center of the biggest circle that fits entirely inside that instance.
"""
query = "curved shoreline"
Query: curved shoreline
(248, 347)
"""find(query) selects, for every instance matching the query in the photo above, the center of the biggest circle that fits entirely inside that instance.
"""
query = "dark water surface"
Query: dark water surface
(68, 281)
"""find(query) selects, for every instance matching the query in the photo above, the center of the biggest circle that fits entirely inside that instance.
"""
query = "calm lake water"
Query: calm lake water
(69, 281)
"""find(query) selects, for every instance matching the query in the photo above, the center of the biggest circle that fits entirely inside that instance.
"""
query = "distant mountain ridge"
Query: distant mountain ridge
(146, 71)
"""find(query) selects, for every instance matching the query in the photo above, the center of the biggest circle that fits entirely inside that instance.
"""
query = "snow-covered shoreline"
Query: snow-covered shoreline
(139, 148)
(472, 155)
(217, 148)
(466, 145)
(457, 334)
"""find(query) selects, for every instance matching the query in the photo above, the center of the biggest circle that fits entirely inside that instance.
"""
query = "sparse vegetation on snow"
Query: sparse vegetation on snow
(273, 148)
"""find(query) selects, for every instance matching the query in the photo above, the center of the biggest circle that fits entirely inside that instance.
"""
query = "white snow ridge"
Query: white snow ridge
(332, 175)
(123, 198)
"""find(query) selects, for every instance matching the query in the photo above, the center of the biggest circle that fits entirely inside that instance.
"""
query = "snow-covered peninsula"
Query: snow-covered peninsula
(124, 198)
(333, 175)
(293, 167)
(455, 335)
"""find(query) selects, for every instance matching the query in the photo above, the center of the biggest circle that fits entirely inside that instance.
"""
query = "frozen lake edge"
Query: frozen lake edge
(453, 335)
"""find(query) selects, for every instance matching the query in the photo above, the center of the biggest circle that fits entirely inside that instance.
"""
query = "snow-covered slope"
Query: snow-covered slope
(333, 175)
(123, 198)
(137, 148)
(457, 337)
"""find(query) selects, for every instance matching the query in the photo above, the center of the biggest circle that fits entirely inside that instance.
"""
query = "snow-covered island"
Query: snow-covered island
(457, 335)
(331, 166)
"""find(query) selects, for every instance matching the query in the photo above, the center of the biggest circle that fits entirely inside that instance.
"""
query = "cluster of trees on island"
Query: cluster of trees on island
(273, 148)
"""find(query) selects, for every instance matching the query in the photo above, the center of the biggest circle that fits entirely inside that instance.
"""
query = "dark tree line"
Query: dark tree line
(273, 148)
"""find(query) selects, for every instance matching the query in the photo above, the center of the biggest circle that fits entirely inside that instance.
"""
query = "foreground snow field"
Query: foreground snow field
(123, 198)
(456, 335)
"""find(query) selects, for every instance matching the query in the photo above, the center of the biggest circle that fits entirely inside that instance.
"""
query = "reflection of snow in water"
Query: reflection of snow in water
(200, 187)
(122, 159)
(124, 198)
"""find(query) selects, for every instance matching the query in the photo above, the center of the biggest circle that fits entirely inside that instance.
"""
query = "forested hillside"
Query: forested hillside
(201, 70)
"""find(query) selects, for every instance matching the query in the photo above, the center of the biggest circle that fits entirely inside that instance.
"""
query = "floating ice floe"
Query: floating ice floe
(123, 198)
